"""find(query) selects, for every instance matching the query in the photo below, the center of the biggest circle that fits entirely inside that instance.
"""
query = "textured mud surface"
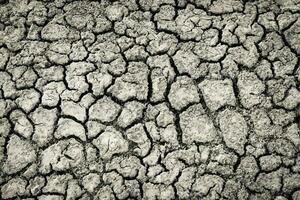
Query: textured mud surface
(150, 99)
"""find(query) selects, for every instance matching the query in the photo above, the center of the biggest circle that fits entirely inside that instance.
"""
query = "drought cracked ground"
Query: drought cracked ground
(150, 99)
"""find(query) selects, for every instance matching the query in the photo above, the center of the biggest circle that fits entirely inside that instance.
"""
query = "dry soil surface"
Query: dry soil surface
(150, 99)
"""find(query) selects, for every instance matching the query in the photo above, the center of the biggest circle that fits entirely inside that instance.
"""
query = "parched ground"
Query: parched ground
(150, 99)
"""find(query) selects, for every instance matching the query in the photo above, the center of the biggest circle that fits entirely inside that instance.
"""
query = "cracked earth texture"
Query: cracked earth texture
(150, 99)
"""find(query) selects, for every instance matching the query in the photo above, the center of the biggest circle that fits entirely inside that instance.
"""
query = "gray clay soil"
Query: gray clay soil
(150, 99)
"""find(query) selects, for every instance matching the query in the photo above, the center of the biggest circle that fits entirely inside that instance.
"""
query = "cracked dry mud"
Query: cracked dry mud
(150, 99)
